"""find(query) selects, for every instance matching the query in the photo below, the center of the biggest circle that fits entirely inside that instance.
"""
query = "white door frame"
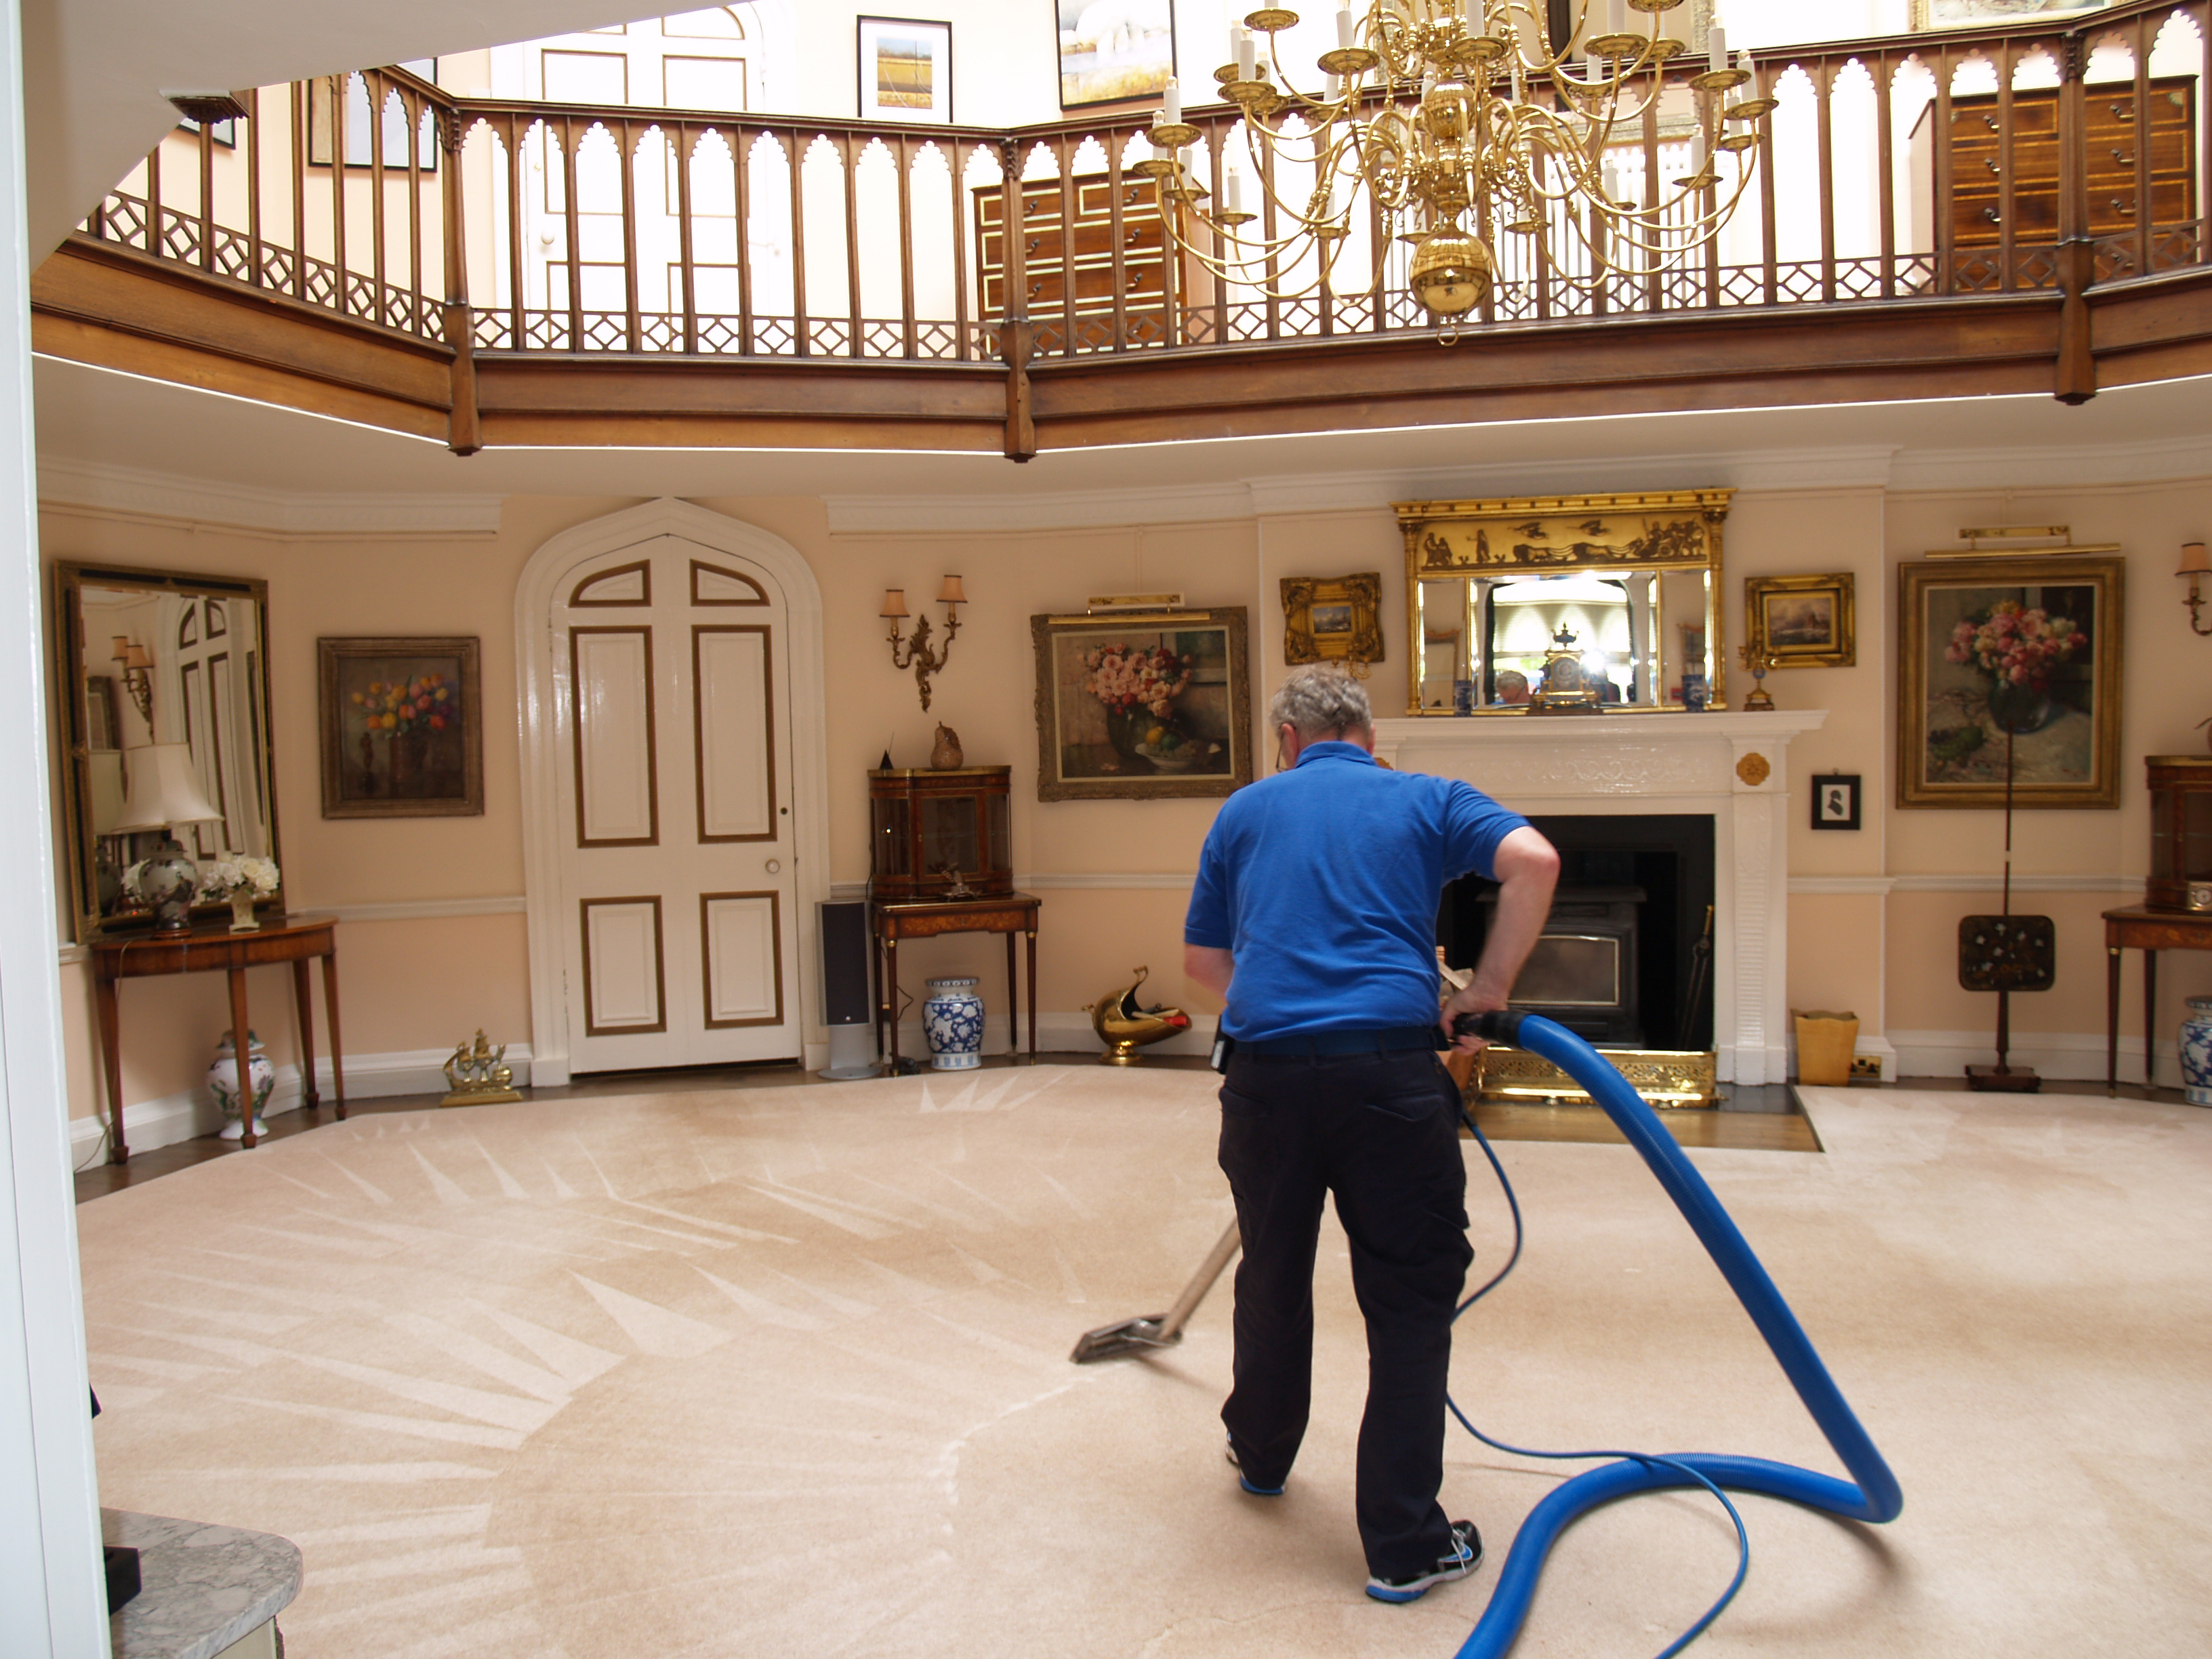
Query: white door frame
(544, 710)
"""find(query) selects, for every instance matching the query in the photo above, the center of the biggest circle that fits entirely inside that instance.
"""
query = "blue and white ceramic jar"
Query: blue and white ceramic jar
(2196, 1052)
(222, 1084)
(952, 1019)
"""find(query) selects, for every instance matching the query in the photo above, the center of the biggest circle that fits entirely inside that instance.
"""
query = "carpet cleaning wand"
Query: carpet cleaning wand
(1159, 1330)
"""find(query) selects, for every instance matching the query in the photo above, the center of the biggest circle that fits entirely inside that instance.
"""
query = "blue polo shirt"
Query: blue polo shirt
(1323, 882)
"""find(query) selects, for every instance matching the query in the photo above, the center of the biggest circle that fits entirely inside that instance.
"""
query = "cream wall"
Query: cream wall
(434, 937)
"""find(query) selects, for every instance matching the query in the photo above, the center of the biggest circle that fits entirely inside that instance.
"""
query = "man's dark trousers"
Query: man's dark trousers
(1381, 1131)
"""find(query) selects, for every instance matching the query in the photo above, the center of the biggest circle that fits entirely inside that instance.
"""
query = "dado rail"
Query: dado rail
(2001, 209)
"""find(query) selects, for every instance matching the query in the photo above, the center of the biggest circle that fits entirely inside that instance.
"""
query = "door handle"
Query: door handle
(775, 866)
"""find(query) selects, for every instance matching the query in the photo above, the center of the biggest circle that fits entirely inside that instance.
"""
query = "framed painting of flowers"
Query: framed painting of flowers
(1142, 703)
(2010, 669)
(402, 727)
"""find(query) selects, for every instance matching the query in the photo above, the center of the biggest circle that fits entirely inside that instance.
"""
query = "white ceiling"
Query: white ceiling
(94, 70)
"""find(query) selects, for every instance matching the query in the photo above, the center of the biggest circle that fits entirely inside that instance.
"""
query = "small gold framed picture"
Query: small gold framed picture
(1332, 619)
(1803, 622)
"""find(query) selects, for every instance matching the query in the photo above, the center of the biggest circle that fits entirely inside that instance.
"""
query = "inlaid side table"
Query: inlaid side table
(214, 949)
(1007, 913)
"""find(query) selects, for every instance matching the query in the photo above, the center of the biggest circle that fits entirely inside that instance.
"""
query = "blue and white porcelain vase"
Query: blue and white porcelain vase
(2196, 1052)
(222, 1084)
(952, 1019)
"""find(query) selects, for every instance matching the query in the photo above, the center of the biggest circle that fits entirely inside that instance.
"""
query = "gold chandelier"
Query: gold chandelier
(1457, 120)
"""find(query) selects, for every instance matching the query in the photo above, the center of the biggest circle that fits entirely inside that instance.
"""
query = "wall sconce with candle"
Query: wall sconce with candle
(137, 675)
(916, 653)
(2194, 565)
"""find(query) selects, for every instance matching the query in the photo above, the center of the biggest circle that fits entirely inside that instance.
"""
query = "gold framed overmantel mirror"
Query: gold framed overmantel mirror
(1633, 580)
(162, 678)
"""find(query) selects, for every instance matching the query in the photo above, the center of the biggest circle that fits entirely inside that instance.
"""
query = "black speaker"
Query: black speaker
(845, 996)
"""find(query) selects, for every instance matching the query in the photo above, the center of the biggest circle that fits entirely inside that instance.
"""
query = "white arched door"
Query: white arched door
(678, 922)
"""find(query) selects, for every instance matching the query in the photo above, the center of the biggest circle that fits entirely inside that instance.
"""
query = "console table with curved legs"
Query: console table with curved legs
(214, 949)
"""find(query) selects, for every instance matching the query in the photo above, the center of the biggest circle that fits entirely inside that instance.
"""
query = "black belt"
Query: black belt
(1396, 1039)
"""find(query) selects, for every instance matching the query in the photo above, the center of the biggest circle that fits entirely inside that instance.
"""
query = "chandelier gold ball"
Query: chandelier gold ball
(1451, 273)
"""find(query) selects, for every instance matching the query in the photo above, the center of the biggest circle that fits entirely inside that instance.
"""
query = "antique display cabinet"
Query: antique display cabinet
(940, 835)
(2180, 833)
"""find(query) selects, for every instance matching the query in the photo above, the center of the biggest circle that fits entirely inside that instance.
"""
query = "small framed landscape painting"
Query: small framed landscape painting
(1803, 622)
(1333, 620)
(1113, 51)
(1142, 704)
(402, 727)
(906, 70)
(2010, 667)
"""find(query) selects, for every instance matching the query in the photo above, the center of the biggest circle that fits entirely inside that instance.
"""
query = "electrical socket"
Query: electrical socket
(1866, 1067)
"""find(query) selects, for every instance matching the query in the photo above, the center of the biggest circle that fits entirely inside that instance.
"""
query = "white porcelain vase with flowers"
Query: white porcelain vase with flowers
(242, 879)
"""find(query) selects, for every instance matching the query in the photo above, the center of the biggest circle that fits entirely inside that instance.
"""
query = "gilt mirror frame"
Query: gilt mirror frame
(75, 714)
(1475, 542)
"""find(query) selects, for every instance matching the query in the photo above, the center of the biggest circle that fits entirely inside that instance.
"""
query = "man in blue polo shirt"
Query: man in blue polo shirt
(1314, 917)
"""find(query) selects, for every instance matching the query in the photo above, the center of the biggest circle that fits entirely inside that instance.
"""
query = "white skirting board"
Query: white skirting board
(2075, 1056)
(186, 1117)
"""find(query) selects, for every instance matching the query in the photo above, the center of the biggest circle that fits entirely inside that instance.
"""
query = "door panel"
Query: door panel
(625, 972)
(616, 797)
(736, 751)
(745, 973)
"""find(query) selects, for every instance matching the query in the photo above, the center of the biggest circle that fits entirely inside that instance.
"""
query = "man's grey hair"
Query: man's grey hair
(1317, 699)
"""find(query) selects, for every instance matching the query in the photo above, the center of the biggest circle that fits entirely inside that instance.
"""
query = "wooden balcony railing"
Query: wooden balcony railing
(2034, 159)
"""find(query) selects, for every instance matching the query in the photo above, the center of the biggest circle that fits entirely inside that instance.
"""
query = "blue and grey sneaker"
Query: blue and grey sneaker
(1229, 1451)
(1462, 1558)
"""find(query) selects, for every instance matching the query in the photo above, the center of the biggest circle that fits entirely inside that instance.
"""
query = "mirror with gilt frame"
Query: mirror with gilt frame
(1635, 579)
(159, 657)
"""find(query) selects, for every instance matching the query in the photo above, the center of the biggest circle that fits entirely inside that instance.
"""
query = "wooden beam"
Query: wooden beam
(112, 292)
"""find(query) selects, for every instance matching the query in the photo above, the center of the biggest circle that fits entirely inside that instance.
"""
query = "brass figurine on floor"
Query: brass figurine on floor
(1125, 1028)
(477, 1076)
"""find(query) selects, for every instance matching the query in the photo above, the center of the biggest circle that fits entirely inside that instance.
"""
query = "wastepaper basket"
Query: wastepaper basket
(1825, 1045)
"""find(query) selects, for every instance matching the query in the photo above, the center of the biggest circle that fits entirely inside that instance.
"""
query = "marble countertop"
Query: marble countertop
(203, 1586)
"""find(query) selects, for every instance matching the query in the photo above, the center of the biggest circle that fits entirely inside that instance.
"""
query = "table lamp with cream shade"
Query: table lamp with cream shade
(161, 790)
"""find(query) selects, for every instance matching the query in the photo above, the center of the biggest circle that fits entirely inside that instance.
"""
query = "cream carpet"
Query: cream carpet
(784, 1372)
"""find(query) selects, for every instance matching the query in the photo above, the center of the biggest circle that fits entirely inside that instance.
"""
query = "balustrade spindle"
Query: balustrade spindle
(1274, 306)
(341, 286)
(1064, 158)
(517, 135)
(373, 83)
(1116, 263)
(1947, 275)
(411, 107)
(801, 329)
(902, 160)
(852, 160)
(206, 134)
(1886, 69)
(2144, 37)
(629, 138)
(253, 273)
(571, 221)
(683, 146)
(741, 144)
(965, 349)
(1824, 105)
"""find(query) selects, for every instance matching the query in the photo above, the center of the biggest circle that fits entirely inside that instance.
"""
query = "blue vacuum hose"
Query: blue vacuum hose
(1874, 1496)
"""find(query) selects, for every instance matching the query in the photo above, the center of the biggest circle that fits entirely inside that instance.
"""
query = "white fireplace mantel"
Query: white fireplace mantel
(1732, 766)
